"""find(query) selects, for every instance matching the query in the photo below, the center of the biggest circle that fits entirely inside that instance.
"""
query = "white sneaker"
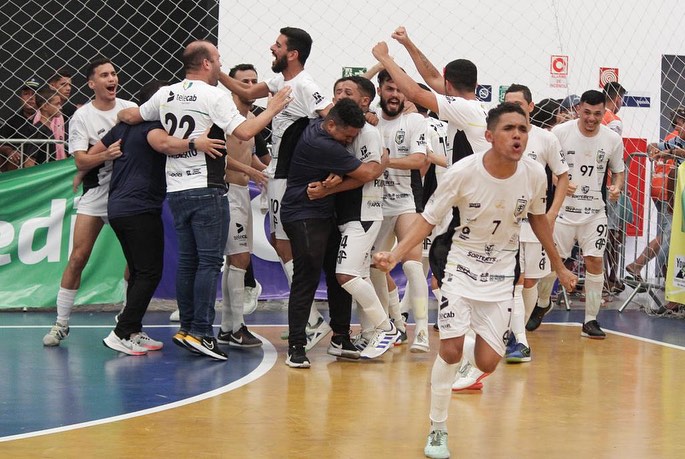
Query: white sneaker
(318, 331)
(56, 334)
(420, 343)
(123, 345)
(144, 341)
(175, 316)
(436, 445)
(361, 339)
(252, 298)
(380, 342)
(468, 378)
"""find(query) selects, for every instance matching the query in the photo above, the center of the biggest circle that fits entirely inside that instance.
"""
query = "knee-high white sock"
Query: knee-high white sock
(530, 297)
(226, 313)
(236, 292)
(368, 302)
(442, 378)
(288, 270)
(380, 285)
(469, 349)
(593, 295)
(425, 264)
(417, 290)
(545, 286)
(518, 326)
(394, 310)
(65, 301)
(405, 304)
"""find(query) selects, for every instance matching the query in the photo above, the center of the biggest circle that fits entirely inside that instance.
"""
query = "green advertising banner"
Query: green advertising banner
(37, 216)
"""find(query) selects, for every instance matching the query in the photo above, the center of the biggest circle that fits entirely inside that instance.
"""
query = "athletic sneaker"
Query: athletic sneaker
(308, 329)
(592, 330)
(56, 334)
(297, 358)
(241, 338)
(143, 340)
(252, 298)
(401, 338)
(519, 354)
(341, 346)
(536, 316)
(317, 332)
(380, 342)
(123, 345)
(420, 343)
(360, 341)
(468, 378)
(436, 446)
(175, 316)
(511, 343)
(179, 340)
(206, 345)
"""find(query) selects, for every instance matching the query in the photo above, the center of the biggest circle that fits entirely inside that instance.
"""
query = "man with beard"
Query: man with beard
(290, 51)
(404, 134)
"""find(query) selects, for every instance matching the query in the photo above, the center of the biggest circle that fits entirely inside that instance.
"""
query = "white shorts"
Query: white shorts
(275, 191)
(591, 237)
(94, 202)
(354, 254)
(534, 260)
(489, 319)
(240, 227)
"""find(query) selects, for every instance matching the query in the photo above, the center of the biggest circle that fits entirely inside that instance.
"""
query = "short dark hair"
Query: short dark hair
(61, 73)
(298, 40)
(241, 68)
(613, 89)
(593, 97)
(149, 89)
(44, 94)
(503, 108)
(364, 84)
(544, 115)
(346, 113)
(521, 88)
(95, 63)
(462, 75)
(194, 53)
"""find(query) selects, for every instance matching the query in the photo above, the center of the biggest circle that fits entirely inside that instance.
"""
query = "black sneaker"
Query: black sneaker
(241, 338)
(207, 345)
(536, 317)
(592, 330)
(341, 346)
(297, 358)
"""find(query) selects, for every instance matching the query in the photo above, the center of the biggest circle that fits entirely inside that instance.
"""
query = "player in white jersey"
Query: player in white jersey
(290, 51)
(591, 150)
(86, 128)
(494, 191)
(404, 135)
(359, 209)
(196, 186)
(543, 147)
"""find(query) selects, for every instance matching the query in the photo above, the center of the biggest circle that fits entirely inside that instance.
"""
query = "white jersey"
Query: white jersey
(364, 203)
(588, 159)
(437, 139)
(86, 127)
(187, 109)
(482, 257)
(543, 147)
(306, 101)
(402, 136)
(465, 125)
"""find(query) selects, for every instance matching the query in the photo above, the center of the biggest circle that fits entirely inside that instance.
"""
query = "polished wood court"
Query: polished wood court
(618, 398)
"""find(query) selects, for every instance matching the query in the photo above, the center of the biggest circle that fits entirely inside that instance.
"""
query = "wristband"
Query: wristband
(191, 144)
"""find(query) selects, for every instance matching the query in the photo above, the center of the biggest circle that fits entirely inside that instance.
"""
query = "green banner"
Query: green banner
(37, 217)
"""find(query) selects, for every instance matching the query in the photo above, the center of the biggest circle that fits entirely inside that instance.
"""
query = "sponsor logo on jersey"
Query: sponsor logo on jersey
(484, 277)
(489, 248)
(533, 155)
(191, 172)
(571, 152)
(187, 154)
(186, 97)
(100, 132)
(170, 97)
(583, 197)
(240, 228)
(399, 136)
(318, 98)
(446, 315)
(464, 270)
(481, 258)
(573, 210)
(600, 156)
(364, 153)
(176, 174)
(374, 204)
(521, 204)
(422, 140)
(474, 205)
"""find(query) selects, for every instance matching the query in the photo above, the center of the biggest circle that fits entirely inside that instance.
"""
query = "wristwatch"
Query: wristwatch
(191, 144)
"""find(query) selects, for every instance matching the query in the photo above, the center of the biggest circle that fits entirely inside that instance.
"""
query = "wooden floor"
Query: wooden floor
(618, 398)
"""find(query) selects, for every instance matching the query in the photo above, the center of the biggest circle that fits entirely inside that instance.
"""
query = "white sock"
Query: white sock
(593, 295)
(530, 297)
(405, 304)
(518, 326)
(417, 291)
(288, 270)
(380, 285)
(394, 305)
(236, 292)
(368, 302)
(65, 301)
(226, 313)
(469, 349)
(545, 286)
(442, 378)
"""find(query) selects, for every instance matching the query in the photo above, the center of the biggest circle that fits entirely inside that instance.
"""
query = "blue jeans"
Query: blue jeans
(201, 219)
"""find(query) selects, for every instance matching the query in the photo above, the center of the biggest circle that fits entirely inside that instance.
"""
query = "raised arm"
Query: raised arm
(244, 90)
(430, 74)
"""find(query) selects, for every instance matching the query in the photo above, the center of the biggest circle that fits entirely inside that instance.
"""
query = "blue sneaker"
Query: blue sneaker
(519, 354)
(511, 343)
(436, 445)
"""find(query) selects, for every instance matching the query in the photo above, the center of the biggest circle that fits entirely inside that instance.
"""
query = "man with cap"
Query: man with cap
(20, 125)
(567, 110)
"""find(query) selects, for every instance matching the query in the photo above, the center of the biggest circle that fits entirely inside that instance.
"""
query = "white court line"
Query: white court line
(270, 357)
(625, 335)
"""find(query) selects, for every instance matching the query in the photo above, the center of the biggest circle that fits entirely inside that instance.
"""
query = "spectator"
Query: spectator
(568, 108)
(545, 113)
(48, 124)
(19, 126)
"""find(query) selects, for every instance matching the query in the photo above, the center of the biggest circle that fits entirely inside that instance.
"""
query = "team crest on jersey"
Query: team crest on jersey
(399, 137)
(520, 207)
(585, 189)
(600, 156)
(488, 249)
(187, 84)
